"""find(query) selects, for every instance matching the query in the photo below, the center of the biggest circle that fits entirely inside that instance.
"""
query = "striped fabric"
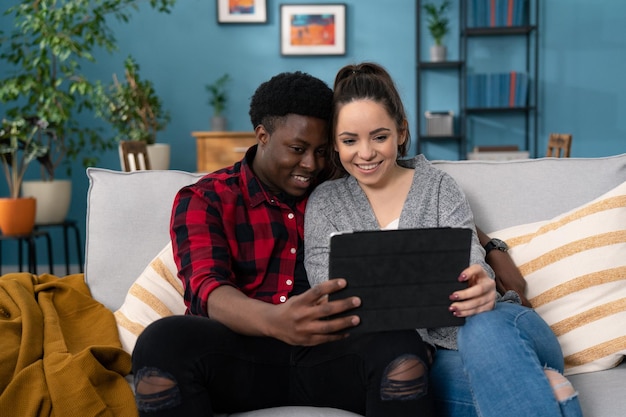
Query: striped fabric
(575, 268)
(156, 293)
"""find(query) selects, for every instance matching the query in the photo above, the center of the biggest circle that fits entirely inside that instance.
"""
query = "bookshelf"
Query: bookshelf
(494, 102)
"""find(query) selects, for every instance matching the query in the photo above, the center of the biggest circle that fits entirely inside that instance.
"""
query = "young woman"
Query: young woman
(505, 360)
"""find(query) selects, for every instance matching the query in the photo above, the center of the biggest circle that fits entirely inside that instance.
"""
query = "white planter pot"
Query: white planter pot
(438, 53)
(53, 199)
(159, 154)
(218, 124)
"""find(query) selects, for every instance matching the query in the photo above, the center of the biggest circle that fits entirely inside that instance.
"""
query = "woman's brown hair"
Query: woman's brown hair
(366, 81)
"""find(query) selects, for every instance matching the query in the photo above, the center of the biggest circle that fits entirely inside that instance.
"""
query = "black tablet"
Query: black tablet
(403, 277)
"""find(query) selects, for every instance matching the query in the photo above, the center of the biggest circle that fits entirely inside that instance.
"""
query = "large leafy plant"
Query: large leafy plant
(44, 52)
(132, 106)
(18, 148)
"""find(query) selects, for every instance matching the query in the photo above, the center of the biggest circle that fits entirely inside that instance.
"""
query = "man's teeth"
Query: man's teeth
(300, 178)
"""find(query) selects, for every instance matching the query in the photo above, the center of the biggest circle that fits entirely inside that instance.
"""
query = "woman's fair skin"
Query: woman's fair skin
(366, 140)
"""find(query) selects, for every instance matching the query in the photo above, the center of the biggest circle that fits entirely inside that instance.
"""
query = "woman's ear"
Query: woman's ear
(402, 132)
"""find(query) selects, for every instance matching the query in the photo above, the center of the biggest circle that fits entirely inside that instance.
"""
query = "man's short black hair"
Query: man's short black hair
(290, 93)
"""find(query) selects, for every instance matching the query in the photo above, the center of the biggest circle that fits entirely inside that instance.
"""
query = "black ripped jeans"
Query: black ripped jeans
(194, 366)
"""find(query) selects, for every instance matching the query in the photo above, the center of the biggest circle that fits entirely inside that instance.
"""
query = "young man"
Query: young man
(257, 335)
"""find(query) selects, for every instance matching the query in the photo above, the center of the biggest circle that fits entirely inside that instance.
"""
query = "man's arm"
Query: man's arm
(508, 276)
(301, 320)
(203, 257)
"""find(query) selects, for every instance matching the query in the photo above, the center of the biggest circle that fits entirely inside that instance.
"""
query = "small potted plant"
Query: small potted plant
(18, 148)
(134, 111)
(217, 100)
(438, 26)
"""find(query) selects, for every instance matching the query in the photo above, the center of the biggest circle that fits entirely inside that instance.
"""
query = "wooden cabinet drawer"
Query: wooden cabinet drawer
(217, 150)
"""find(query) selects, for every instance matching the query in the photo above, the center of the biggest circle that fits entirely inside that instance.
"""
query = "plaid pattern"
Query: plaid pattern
(228, 230)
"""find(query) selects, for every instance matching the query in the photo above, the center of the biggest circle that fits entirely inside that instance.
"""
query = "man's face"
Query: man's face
(291, 157)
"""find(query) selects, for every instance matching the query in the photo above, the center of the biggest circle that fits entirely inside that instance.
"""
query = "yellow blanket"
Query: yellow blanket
(60, 353)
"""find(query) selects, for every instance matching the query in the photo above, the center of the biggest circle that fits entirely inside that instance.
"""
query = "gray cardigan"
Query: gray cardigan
(434, 200)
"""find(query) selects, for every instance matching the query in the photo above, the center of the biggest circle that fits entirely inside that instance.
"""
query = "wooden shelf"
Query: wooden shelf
(215, 150)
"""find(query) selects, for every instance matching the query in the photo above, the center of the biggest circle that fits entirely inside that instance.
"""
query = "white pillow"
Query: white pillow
(156, 293)
(575, 268)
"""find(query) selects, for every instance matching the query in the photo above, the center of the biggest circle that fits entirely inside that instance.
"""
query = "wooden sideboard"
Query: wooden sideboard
(217, 150)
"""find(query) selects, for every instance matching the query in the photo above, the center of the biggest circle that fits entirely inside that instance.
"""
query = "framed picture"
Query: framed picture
(313, 29)
(241, 11)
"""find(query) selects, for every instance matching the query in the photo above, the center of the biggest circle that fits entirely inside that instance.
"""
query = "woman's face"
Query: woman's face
(367, 139)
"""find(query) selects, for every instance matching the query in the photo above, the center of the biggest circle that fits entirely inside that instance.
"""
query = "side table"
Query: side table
(66, 225)
(30, 241)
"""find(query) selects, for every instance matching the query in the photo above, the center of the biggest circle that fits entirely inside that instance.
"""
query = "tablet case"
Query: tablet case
(403, 277)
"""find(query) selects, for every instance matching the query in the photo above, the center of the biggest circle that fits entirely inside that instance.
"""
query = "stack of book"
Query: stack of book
(496, 90)
(497, 13)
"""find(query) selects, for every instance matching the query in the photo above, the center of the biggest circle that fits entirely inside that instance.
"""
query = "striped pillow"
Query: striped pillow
(575, 268)
(156, 293)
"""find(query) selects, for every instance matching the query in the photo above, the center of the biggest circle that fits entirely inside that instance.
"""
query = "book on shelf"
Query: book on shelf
(497, 90)
(498, 13)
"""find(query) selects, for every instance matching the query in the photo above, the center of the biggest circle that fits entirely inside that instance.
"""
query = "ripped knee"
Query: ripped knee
(155, 390)
(562, 389)
(404, 379)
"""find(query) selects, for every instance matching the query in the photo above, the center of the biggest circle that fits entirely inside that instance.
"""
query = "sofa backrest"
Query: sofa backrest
(128, 217)
(510, 193)
(128, 213)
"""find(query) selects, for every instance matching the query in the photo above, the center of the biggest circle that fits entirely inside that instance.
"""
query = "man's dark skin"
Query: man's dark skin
(288, 160)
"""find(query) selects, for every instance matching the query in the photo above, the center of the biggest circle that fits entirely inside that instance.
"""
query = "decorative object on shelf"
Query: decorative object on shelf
(19, 146)
(313, 29)
(439, 123)
(134, 110)
(241, 11)
(438, 26)
(218, 98)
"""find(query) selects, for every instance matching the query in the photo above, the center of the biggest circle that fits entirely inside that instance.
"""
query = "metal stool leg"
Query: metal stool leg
(32, 255)
(66, 249)
(79, 248)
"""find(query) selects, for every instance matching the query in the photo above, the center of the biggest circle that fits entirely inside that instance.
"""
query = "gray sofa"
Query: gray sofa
(128, 217)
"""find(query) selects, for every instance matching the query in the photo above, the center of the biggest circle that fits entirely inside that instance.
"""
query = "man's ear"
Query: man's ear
(262, 135)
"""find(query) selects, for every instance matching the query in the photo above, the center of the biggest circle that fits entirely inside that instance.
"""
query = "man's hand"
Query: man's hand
(302, 320)
(478, 297)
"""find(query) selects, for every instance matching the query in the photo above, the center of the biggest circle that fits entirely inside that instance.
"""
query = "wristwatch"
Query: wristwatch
(496, 244)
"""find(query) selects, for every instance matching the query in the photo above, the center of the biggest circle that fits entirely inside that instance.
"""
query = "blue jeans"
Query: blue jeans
(499, 368)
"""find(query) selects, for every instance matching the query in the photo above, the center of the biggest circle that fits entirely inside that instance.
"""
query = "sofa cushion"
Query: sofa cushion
(128, 217)
(156, 293)
(575, 269)
(508, 193)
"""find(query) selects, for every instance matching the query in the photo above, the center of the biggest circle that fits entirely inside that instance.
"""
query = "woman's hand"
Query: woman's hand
(480, 295)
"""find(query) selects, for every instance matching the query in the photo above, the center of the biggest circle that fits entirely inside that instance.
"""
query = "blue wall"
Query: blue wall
(582, 65)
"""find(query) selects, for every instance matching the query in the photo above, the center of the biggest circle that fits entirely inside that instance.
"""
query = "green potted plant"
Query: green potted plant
(134, 111)
(217, 100)
(42, 55)
(438, 26)
(18, 148)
